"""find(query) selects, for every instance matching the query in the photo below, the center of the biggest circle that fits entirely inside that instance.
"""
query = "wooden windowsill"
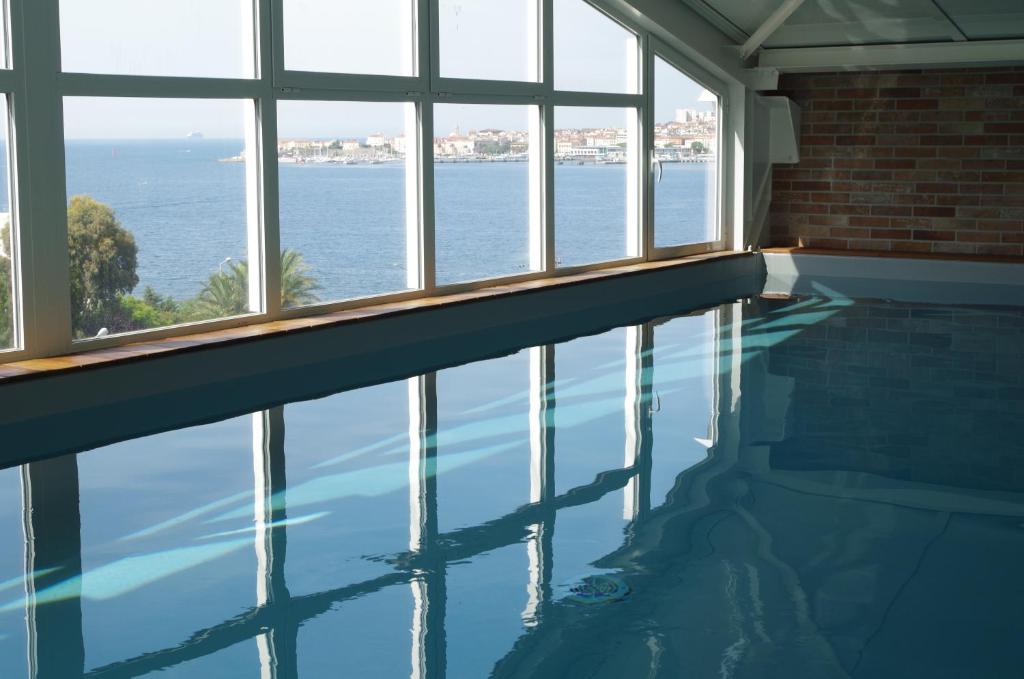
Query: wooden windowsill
(137, 351)
(796, 250)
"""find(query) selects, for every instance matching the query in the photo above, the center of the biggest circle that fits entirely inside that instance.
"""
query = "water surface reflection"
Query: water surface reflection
(445, 525)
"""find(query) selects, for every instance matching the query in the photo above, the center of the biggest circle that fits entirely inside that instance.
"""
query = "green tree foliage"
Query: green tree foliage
(494, 148)
(103, 261)
(6, 310)
(226, 292)
(104, 258)
(698, 147)
(152, 310)
(298, 288)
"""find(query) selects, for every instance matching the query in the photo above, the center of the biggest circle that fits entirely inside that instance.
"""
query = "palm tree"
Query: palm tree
(298, 288)
(226, 293)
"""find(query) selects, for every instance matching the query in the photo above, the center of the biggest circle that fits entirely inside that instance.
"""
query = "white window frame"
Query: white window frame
(36, 88)
(715, 86)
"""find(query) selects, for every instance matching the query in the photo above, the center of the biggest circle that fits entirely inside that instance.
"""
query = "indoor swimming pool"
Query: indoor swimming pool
(790, 487)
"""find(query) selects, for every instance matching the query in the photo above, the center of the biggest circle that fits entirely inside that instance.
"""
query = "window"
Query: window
(592, 52)
(229, 161)
(492, 39)
(8, 243)
(157, 215)
(482, 189)
(483, 442)
(589, 435)
(207, 38)
(346, 230)
(178, 551)
(686, 147)
(347, 456)
(596, 206)
(684, 380)
(349, 36)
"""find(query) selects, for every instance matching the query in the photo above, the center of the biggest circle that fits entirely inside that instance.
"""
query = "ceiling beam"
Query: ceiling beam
(770, 25)
(911, 55)
(943, 17)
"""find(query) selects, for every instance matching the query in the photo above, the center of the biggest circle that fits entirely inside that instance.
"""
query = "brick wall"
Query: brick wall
(910, 161)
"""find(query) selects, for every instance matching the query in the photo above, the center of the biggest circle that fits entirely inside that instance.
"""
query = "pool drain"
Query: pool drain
(598, 589)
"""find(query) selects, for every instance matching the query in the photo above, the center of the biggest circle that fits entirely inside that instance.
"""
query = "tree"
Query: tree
(226, 293)
(103, 258)
(6, 309)
(152, 310)
(298, 288)
(697, 147)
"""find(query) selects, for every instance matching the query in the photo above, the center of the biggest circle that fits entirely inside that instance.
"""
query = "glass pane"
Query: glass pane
(157, 216)
(166, 533)
(349, 36)
(986, 19)
(483, 441)
(7, 242)
(684, 384)
(205, 38)
(686, 144)
(595, 188)
(5, 45)
(341, 637)
(347, 457)
(343, 192)
(590, 393)
(592, 52)
(489, 39)
(482, 188)
(486, 598)
(864, 22)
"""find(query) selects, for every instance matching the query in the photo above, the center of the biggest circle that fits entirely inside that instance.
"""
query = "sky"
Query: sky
(204, 38)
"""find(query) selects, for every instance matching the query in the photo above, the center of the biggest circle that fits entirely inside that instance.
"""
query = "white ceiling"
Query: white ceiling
(822, 23)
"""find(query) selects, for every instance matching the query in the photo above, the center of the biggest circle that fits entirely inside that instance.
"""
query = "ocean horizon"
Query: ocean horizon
(187, 211)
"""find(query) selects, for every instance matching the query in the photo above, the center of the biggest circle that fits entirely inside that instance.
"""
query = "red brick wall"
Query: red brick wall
(910, 161)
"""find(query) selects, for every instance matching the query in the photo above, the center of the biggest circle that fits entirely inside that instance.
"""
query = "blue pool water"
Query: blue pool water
(802, 487)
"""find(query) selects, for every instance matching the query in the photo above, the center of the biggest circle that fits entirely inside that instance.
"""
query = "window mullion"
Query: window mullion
(646, 152)
(547, 62)
(429, 57)
(41, 186)
(271, 44)
(429, 50)
(265, 242)
(265, 224)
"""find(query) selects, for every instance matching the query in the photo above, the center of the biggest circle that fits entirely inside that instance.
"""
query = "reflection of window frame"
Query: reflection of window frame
(38, 125)
(274, 620)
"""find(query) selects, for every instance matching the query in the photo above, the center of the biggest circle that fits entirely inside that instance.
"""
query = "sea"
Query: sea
(187, 210)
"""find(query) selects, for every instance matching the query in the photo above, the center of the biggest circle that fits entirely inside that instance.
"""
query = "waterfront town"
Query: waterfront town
(690, 137)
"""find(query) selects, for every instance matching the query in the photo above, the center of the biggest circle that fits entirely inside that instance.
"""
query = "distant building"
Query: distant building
(686, 115)
(454, 145)
(586, 152)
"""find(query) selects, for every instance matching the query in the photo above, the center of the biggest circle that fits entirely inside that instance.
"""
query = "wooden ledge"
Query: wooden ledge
(887, 254)
(138, 351)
